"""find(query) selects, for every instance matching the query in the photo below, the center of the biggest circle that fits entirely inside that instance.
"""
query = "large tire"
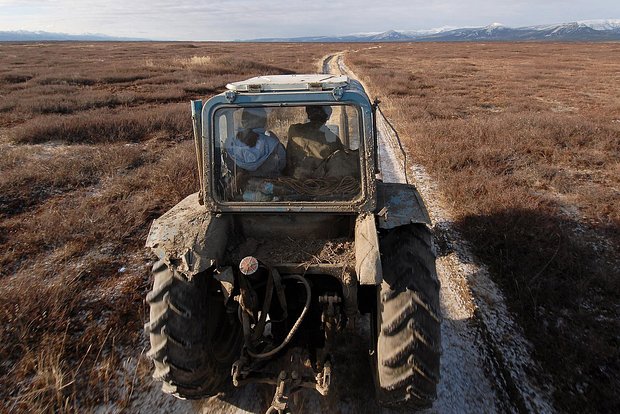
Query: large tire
(193, 342)
(407, 331)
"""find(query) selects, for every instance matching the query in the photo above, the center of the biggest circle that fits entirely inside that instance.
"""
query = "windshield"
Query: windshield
(283, 154)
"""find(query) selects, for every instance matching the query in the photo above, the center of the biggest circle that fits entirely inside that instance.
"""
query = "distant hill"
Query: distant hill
(26, 36)
(587, 30)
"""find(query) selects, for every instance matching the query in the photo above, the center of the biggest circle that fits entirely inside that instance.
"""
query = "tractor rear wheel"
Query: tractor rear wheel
(407, 336)
(193, 342)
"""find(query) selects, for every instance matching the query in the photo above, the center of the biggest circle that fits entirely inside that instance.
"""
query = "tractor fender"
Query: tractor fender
(188, 238)
(399, 204)
(367, 257)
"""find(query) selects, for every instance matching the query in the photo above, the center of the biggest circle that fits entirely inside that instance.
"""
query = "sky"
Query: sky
(252, 19)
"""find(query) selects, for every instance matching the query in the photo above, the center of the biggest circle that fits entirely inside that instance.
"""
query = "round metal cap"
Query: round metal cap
(248, 265)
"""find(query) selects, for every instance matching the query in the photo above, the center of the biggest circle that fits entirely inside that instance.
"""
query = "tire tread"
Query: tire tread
(408, 319)
(178, 335)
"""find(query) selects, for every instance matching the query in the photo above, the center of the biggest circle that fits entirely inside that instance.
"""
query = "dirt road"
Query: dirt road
(485, 366)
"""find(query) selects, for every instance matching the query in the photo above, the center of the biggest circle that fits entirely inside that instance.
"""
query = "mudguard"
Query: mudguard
(399, 204)
(188, 238)
(367, 257)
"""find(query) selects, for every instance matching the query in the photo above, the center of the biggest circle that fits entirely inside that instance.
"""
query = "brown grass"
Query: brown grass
(96, 143)
(524, 140)
(107, 126)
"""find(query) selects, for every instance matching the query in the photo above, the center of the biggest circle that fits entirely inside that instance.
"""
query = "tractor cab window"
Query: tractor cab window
(284, 154)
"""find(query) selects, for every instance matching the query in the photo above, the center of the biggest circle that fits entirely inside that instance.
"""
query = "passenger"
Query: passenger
(254, 150)
(311, 143)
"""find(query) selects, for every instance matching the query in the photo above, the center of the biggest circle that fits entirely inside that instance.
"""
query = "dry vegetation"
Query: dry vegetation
(95, 142)
(524, 140)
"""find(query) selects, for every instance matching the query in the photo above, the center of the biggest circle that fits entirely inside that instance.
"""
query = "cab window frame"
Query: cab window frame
(216, 147)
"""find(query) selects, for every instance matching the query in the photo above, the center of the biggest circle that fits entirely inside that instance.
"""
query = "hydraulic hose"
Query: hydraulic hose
(295, 326)
(262, 320)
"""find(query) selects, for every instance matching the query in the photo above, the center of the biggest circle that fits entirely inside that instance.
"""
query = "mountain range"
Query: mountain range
(587, 30)
(39, 36)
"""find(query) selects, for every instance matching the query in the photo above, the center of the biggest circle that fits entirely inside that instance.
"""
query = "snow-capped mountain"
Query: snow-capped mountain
(389, 36)
(586, 30)
(427, 31)
(609, 24)
(40, 36)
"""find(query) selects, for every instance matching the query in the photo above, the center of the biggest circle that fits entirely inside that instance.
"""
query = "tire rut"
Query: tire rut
(484, 356)
(490, 339)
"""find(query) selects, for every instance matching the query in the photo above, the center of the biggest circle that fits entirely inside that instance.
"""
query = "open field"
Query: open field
(523, 139)
(524, 142)
(95, 143)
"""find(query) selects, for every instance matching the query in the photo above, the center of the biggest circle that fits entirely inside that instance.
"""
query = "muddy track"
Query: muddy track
(483, 348)
(485, 366)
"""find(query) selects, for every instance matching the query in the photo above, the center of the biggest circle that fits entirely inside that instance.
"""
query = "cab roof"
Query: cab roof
(273, 83)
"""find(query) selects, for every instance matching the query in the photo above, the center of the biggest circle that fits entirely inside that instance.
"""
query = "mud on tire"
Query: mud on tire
(193, 342)
(407, 331)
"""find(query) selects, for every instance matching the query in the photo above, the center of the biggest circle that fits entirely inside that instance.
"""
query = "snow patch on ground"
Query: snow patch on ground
(486, 361)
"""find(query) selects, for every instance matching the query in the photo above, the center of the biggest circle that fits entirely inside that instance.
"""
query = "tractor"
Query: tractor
(293, 240)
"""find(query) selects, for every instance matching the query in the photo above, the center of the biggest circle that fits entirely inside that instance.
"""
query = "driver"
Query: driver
(310, 144)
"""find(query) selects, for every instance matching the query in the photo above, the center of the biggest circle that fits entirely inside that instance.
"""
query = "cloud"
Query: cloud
(243, 19)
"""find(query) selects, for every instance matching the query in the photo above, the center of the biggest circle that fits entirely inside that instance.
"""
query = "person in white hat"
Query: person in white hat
(253, 149)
